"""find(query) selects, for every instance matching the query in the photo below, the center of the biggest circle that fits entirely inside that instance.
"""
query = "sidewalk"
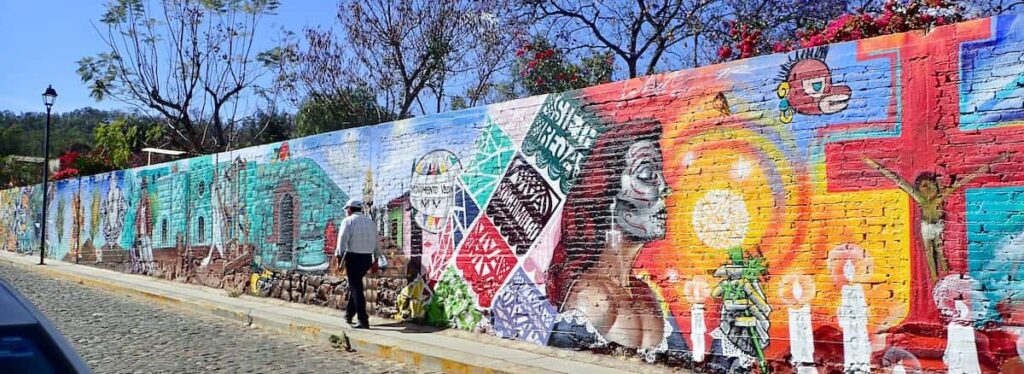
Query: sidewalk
(448, 351)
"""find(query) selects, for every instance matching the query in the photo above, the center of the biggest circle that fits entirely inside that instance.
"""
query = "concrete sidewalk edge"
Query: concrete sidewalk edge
(410, 353)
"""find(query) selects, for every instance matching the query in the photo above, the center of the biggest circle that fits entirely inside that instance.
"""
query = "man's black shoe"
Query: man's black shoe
(349, 320)
(365, 326)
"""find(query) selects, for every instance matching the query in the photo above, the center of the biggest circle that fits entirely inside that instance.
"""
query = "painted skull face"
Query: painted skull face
(640, 204)
(811, 90)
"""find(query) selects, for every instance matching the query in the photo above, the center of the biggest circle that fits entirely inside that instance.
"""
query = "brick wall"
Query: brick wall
(851, 208)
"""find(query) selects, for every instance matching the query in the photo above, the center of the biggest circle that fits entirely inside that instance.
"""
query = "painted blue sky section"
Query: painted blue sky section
(995, 243)
(992, 77)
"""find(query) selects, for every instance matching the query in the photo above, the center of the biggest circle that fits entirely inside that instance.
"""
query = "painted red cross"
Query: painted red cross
(930, 141)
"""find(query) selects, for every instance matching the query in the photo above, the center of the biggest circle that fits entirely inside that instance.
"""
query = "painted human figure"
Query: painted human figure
(590, 280)
(25, 218)
(930, 197)
(113, 210)
(143, 231)
(77, 222)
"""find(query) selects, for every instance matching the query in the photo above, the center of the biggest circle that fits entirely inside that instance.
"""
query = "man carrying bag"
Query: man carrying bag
(358, 244)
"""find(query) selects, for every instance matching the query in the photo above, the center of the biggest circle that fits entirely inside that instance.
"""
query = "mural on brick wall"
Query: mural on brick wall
(855, 208)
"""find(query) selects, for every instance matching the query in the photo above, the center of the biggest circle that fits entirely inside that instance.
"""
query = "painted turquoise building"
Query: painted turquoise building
(291, 203)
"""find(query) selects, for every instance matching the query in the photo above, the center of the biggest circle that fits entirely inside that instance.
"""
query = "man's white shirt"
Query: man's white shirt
(358, 235)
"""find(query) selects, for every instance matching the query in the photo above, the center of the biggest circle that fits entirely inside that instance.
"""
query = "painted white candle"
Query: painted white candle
(697, 332)
(899, 369)
(697, 292)
(801, 334)
(801, 339)
(853, 318)
(961, 356)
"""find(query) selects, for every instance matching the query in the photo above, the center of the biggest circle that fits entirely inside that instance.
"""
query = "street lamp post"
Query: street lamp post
(48, 98)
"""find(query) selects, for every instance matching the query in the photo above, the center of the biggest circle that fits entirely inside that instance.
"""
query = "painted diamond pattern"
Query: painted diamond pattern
(438, 250)
(535, 264)
(522, 205)
(494, 152)
(485, 260)
(560, 137)
(463, 214)
(522, 312)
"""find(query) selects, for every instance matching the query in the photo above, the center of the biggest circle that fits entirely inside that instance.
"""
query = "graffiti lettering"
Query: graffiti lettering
(560, 138)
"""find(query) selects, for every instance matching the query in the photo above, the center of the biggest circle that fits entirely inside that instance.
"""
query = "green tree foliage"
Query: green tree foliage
(266, 127)
(22, 133)
(348, 109)
(18, 173)
(120, 141)
(117, 141)
(61, 206)
(188, 62)
(101, 139)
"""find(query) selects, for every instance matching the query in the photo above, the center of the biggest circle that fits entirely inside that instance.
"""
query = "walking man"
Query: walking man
(357, 245)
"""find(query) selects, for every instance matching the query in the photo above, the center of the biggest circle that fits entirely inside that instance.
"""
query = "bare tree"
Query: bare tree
(986, 8)
(413, 56)
(498, 31)
(649, 36)
(190, 61)
(408, 45)
(641, 33)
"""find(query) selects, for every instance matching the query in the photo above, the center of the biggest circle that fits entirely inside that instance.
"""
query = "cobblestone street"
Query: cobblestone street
(117, 334)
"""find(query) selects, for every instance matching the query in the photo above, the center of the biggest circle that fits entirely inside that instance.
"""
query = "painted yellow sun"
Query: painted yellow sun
(720, 219)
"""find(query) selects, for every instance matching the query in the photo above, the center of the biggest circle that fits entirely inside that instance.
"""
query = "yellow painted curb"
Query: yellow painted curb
(307, 332)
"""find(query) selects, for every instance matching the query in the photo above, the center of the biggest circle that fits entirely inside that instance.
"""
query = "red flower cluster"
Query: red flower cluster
(746, 40)
(896, 17)
(68, 159)
(73, 164)
(543, 66)
(538, 58)
(65, 174)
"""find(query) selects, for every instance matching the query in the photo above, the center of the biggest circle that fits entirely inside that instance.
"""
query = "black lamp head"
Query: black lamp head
(49, 96)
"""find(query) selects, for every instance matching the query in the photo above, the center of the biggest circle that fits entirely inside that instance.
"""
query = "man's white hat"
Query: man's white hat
(354, 203)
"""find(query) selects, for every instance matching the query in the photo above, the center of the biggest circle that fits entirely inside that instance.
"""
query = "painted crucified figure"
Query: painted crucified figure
(931, 198)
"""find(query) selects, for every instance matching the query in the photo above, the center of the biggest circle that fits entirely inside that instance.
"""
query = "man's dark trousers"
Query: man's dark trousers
(356, 267)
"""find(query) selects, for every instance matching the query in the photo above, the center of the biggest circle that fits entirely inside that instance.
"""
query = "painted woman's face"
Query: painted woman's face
(640, 205)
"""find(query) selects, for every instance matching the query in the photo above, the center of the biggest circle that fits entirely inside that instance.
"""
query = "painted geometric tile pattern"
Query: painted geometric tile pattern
(522, 205)
(485, 260)
(521, 311)
(493, 154)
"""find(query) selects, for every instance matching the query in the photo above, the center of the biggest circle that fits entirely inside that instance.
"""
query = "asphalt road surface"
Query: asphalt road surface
(118, 334)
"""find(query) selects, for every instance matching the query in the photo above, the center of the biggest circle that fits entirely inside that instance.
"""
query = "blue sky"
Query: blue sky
(42, 40)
